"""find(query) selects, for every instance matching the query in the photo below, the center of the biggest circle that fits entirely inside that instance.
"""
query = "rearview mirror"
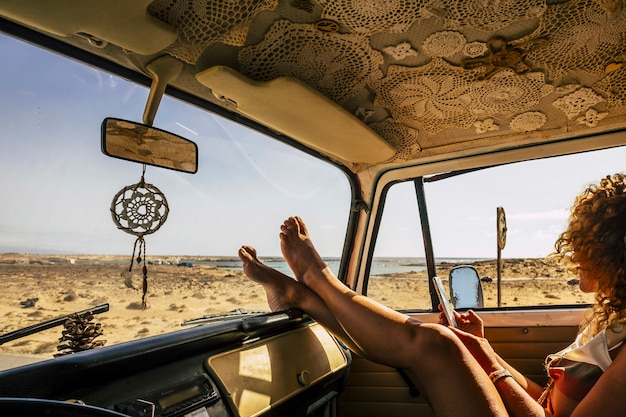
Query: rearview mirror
(466, 290)
(137, 142)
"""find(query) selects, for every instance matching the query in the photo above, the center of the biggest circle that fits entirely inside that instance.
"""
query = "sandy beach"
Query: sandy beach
(524, 282)
(64, 284)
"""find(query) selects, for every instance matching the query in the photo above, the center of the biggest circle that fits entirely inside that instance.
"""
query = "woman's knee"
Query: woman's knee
(434, 342)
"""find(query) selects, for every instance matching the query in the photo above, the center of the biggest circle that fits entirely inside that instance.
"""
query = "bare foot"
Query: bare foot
(298, 249)
(281, 290)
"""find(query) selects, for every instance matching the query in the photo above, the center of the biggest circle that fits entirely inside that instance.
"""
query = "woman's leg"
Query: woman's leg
(284, 293)
(454, 381)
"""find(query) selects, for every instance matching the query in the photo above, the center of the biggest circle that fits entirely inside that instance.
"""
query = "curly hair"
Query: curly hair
(595, 237)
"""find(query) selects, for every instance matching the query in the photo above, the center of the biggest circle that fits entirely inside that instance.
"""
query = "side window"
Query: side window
(536, 205)
(536, 197)
(398, 276)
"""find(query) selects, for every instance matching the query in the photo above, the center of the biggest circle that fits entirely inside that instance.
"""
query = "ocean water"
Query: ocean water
(380, 266)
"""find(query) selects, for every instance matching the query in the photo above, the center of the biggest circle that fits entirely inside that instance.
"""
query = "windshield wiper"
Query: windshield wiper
(252, 321)
(48, 324)
(238, 312)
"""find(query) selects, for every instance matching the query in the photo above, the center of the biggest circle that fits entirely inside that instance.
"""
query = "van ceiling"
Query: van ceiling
(389, 82)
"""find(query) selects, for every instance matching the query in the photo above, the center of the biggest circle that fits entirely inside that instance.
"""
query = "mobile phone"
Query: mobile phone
(444, 301)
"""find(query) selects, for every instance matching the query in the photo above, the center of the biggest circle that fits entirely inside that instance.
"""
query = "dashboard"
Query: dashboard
(270, 364)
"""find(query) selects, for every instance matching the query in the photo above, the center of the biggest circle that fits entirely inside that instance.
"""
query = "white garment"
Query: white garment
(575, 369)
(596, 351)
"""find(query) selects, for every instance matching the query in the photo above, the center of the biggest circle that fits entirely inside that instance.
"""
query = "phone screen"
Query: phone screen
(444, 301)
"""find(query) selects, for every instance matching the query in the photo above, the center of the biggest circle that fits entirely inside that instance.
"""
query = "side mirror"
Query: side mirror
(466, 290)
(137, 142)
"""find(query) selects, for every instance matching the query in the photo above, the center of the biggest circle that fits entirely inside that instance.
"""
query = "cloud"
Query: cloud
(542, 215)
(557, 214)
(551, 233)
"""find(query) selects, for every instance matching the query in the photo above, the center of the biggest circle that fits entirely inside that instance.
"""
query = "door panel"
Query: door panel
(522, 338)
(376, 390)
(525, 348)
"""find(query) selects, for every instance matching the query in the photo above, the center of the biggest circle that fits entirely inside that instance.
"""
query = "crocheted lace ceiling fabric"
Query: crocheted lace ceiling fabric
(426, 74)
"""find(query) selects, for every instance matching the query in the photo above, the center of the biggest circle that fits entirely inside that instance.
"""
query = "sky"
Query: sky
(536, 197)
(56, 187)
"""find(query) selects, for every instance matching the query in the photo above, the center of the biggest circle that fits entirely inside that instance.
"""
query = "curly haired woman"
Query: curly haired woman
(587, 379)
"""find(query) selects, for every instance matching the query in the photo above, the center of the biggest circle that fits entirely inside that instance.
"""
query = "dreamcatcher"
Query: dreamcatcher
(139, 209)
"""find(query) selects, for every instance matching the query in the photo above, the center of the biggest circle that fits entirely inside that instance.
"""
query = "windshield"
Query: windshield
(61, 252)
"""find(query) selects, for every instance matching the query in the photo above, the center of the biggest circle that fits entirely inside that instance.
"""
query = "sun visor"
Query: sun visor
(124, 23)
(292, 108)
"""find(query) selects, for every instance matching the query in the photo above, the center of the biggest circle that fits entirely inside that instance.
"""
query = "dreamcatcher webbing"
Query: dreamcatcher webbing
(141, 212)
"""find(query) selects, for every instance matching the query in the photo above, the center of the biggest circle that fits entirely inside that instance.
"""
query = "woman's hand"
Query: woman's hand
(469, 322)
(480, 349)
